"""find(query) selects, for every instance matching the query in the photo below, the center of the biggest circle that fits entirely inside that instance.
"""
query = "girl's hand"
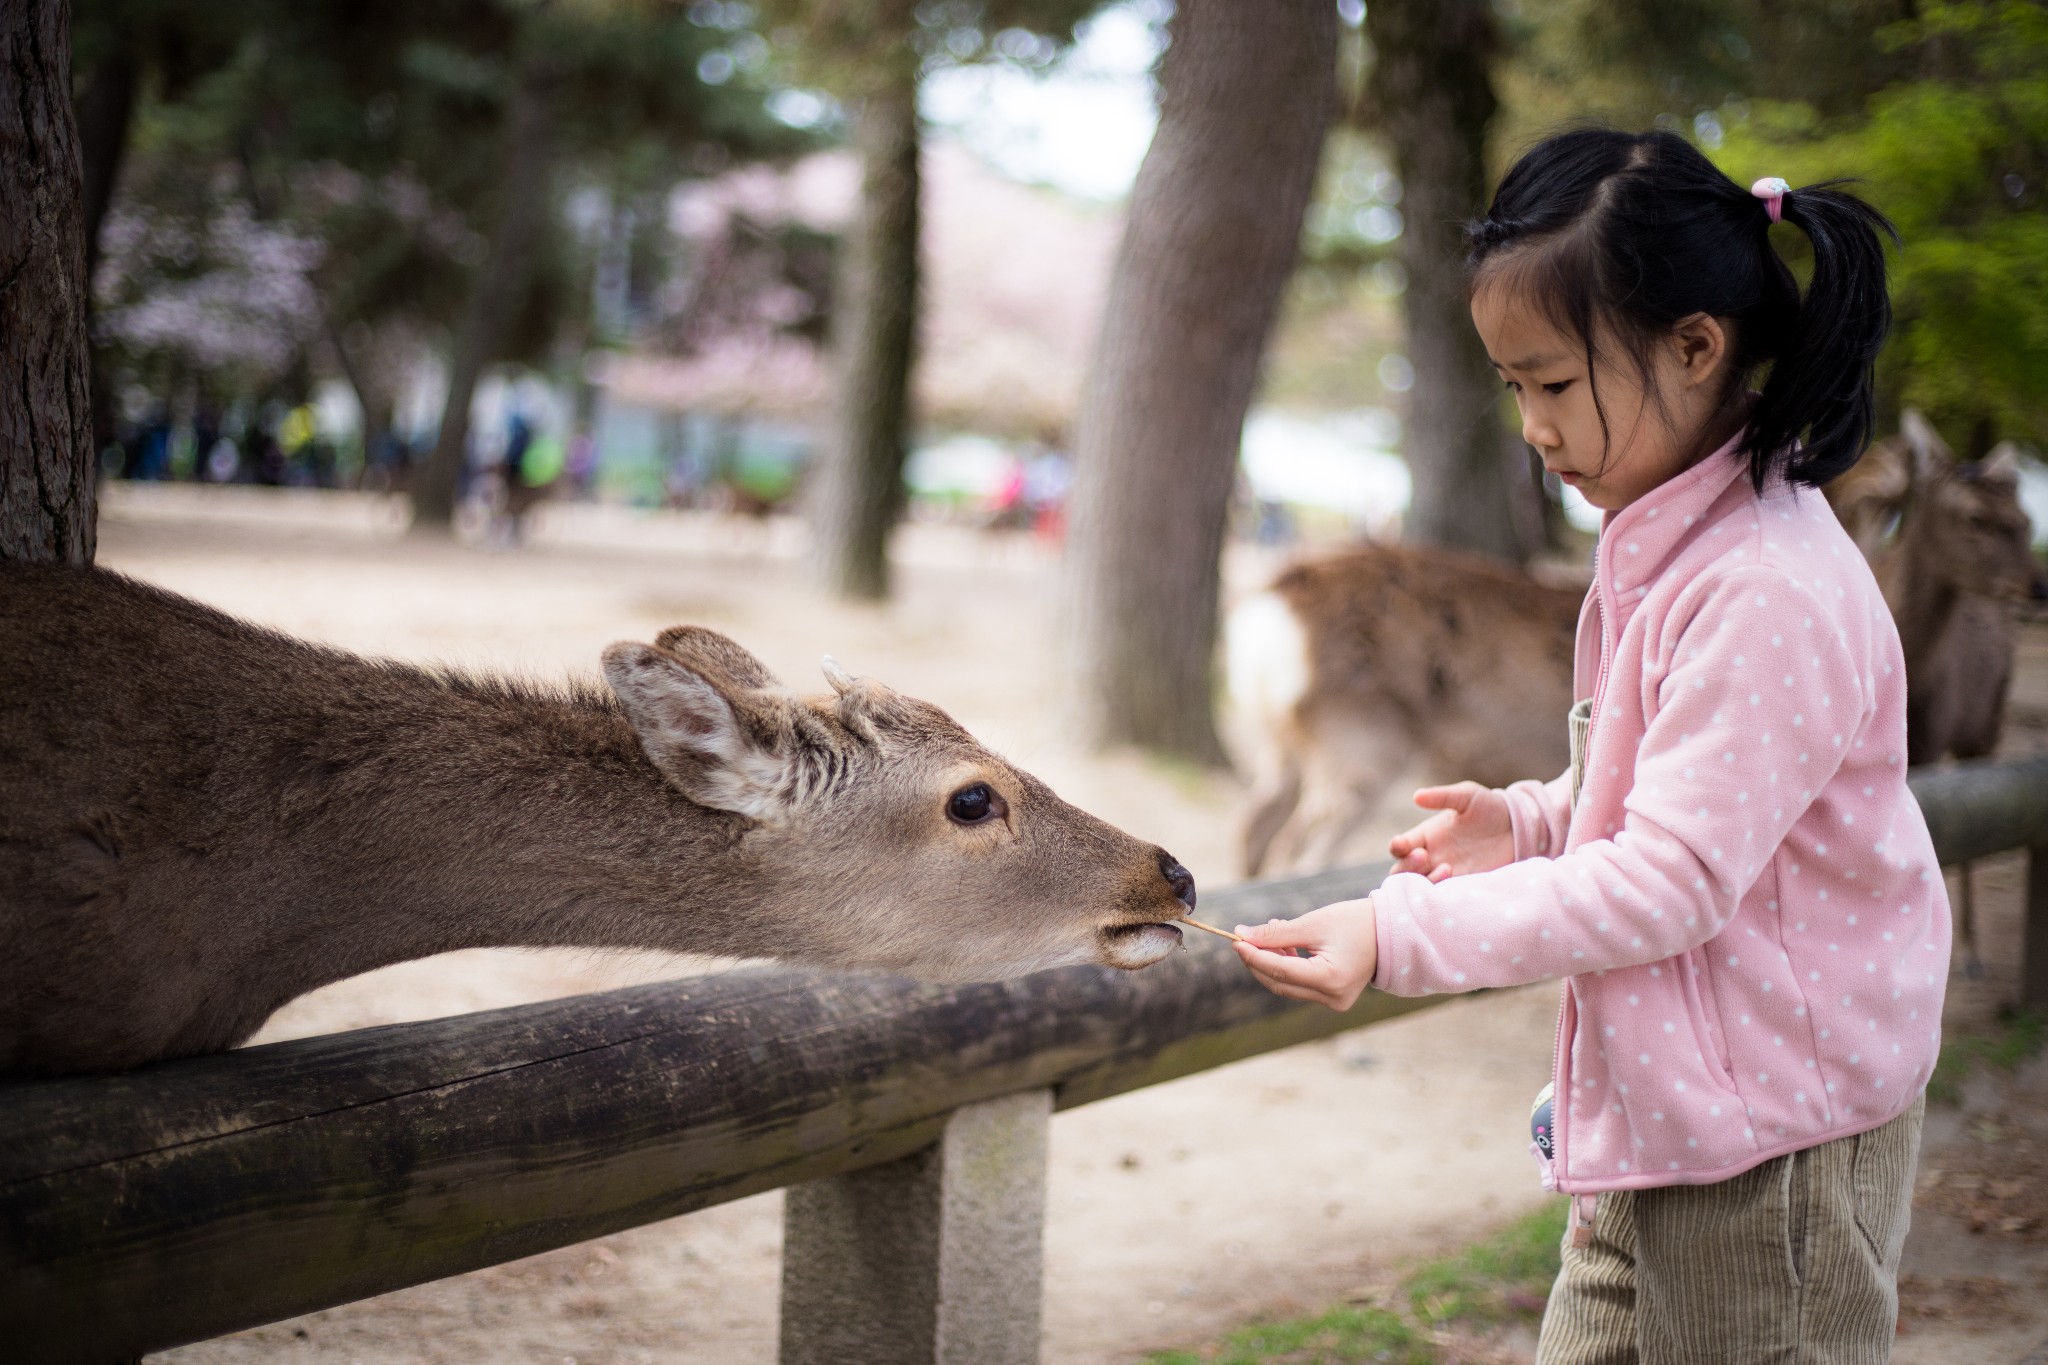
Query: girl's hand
(1470, 833)
(1344, 939)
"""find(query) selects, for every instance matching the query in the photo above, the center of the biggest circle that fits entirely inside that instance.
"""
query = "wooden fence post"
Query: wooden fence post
(2034, 933)
(934, 1259)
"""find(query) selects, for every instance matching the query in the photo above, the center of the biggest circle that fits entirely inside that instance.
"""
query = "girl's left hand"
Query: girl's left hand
(1344, 942)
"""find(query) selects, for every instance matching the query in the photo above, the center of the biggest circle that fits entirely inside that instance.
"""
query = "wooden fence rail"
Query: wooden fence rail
(195, 1198)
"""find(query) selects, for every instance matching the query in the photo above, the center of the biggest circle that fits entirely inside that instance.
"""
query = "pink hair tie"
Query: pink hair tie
(1772, 191)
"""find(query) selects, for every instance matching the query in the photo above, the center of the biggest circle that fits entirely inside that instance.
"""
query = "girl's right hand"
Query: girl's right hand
(1470, 832)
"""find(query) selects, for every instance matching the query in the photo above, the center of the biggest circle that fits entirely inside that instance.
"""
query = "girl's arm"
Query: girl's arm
(1753, 717)
(1541, 814)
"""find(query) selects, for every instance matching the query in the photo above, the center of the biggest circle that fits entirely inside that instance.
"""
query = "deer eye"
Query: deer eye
(972, 805)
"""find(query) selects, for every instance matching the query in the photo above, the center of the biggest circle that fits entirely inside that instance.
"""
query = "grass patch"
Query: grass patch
(2017, 1036)
(1340, 1337)
(1504, 1279)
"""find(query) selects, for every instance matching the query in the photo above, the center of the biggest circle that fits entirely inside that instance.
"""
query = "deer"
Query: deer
(1957, 566)
(201, 819)
(1390, 666)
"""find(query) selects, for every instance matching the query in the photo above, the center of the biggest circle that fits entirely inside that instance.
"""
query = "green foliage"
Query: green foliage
(1503, 1279)
(1958, 157)
(2015, 1038)
(1635, 62)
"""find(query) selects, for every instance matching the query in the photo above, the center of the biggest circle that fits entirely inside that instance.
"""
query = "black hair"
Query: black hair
(1639, 231)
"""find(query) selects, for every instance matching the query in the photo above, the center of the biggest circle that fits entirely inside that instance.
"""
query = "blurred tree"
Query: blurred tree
(1957, 153)
(500, 287)
(601, 81)
(1429, 93)
(392, 158)
(1215, 225)
(46, 466)
(871, 53)
(296, 175)
(118, 46)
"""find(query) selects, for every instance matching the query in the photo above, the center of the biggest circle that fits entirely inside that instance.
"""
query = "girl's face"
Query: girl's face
(1646, 442)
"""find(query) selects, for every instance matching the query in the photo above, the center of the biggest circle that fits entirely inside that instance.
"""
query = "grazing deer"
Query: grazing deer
(1953, 575)
(1393, 665)
(201, 819)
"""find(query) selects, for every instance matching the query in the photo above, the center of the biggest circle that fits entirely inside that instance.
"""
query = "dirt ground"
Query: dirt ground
(1275, 1185)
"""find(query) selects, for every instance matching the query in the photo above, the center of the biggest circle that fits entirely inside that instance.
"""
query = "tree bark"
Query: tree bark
(500, 289)
(858, 492)
(1430, 95)
(1215, 224)
(46, 457)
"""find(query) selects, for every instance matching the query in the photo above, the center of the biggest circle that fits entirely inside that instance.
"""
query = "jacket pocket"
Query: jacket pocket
(1705, 1014)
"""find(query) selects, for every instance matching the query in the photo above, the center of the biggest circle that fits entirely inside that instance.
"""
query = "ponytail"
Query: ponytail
(1820, 387)
(1641, 231)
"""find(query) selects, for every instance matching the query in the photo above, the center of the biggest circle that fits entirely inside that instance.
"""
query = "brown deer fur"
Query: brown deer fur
(1955, 569)
(1960, 565)
(201, 819)
(1375, 670)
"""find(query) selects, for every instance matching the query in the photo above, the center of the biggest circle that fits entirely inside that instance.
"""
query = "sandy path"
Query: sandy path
(1174, 1212)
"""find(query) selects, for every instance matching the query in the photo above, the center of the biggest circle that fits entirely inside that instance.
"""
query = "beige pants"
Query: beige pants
(1795, 1260)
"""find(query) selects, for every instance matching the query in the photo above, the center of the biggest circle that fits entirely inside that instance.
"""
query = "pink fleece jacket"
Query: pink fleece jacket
(1745, 905)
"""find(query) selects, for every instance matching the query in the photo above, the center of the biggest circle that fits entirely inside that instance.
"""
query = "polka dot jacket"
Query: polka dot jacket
(1744, 903)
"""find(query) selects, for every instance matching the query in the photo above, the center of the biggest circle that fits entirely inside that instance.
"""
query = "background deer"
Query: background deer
(1371, 672)
(1954, 572)
(201, 819)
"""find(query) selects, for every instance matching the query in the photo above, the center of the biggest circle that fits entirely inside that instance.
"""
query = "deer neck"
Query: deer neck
(515, 820)
(1921, 598)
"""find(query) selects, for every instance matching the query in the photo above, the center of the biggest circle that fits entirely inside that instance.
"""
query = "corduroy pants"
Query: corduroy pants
(1796, 1260)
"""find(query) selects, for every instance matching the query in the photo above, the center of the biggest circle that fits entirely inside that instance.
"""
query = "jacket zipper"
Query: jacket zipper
(1559, 1126)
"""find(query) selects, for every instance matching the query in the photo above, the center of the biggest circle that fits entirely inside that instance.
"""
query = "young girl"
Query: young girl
(1733, 880)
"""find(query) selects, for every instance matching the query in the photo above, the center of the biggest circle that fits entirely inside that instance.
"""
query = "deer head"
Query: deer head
(1970, 531)
(886, 836)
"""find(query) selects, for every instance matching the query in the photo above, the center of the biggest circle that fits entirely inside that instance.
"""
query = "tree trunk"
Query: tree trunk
(1215, 223)
(376, 405)
(1431, 97)
(46, 456)
(858, 492)
(500, 289)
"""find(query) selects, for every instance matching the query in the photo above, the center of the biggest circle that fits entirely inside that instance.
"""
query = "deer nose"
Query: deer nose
(1179, 878)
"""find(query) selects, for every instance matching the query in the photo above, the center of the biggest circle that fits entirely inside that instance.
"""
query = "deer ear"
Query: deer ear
(864, 704)
(713, 741)
(2002, 465)
(1931, 454)
(707, 651)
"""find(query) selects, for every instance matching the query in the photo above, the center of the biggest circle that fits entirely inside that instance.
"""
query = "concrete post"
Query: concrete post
(935, 1259)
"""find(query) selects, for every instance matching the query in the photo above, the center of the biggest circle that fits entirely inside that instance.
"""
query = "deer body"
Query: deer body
(200, 820)
(1389, 666)
(1959, 562)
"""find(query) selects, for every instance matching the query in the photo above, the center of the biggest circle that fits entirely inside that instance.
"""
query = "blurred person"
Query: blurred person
(1048, 476)
(295, 438)
(223, 462)
(581, 464)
